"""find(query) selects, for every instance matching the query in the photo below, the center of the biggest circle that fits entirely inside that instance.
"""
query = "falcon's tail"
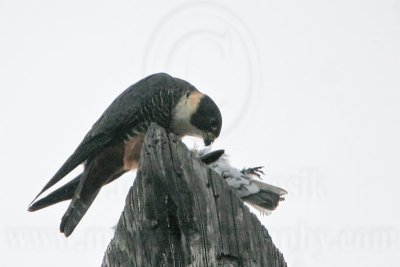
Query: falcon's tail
(65, 192)
(76, 210)
(267, 199)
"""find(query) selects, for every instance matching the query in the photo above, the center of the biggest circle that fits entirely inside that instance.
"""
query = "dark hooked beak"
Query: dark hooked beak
(208, 139)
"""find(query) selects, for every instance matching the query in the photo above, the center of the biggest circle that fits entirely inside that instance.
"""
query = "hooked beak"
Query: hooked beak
(208, 139)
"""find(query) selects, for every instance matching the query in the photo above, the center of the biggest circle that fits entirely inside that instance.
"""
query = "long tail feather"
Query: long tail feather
(76, 211)
(267, 199)
(78, 157)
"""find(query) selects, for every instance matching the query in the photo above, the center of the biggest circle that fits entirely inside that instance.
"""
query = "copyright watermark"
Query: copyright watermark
(314, 239)
(30, 238)
(208, 42)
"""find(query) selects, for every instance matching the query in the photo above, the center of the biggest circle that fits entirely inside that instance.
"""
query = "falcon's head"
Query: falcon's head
(196, 114)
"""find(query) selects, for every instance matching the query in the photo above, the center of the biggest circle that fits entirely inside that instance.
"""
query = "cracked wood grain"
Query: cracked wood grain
(181, 213)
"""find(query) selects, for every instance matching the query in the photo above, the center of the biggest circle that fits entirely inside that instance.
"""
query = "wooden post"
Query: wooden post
(181, 213)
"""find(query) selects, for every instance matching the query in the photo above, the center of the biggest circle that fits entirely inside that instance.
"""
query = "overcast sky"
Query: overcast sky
(309, 89)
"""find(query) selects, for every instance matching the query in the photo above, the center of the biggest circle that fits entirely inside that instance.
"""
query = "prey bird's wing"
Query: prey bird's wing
(117, 119)
(212, 156)
(262, 196)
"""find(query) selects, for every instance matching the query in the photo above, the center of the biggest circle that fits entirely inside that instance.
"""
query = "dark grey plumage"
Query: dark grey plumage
(66, 192)
(125, 116)
(111, 146)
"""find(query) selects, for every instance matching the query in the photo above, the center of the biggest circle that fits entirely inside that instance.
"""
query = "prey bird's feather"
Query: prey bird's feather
(262, 196)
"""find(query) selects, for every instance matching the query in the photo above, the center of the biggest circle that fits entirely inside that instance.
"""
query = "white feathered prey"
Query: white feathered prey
(246, 182)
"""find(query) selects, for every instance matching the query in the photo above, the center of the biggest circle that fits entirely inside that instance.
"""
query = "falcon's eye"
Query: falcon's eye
(213, 122)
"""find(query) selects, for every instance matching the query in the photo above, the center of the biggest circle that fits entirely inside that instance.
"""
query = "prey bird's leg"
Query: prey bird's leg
(253, 171)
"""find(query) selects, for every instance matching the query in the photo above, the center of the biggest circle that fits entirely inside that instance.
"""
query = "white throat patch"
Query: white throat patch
(182, 114)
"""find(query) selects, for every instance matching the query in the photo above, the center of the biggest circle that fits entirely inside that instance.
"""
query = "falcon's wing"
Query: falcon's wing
(120, 116)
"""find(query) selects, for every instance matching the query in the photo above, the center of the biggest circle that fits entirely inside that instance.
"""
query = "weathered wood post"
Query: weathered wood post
(180, 213)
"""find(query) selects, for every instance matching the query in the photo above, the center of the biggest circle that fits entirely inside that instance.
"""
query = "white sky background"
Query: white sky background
(311, 90)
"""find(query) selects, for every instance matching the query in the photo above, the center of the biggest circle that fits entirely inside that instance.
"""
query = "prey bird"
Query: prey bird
(112, 146)
(246, 182)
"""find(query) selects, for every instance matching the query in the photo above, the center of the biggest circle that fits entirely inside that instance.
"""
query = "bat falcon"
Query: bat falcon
(112, 146)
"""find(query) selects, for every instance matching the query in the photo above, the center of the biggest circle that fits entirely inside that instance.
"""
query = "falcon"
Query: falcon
(112, 146)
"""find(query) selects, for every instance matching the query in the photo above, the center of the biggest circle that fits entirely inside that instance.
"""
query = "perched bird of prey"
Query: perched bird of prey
(262, 196)
(112, 146)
